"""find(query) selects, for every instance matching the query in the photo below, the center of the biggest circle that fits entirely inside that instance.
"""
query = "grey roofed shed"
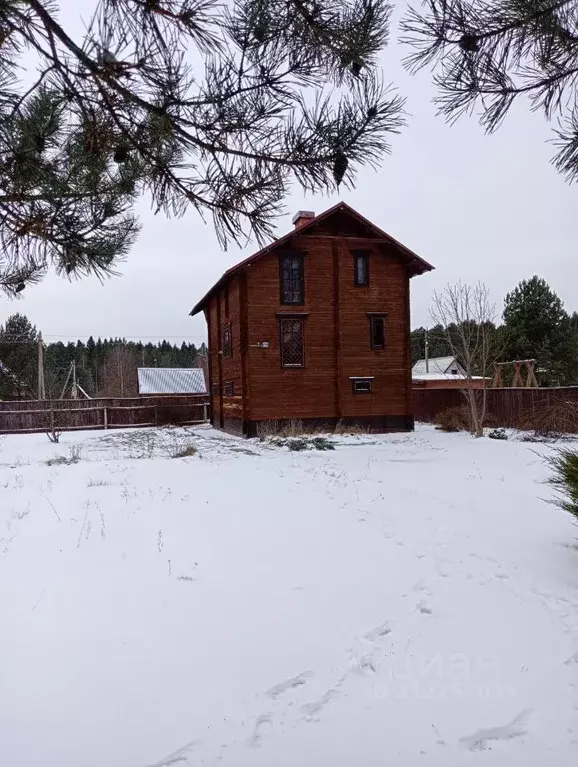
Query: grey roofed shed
(171, 381)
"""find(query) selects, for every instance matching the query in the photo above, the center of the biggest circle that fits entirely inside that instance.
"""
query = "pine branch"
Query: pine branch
(486, 54)
(134, 116)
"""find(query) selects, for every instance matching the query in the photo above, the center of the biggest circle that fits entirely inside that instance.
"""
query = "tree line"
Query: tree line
(535, 326)
(103, 367)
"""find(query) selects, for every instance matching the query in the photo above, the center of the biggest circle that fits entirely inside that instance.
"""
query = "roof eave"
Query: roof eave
(415, 263)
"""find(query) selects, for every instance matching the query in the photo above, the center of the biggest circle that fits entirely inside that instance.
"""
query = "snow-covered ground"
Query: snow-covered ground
(404, 600)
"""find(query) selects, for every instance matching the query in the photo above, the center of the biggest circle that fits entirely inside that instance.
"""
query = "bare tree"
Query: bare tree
(467, 315)
(119, 372)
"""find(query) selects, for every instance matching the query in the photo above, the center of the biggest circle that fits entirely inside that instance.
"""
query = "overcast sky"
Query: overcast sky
(477, 207)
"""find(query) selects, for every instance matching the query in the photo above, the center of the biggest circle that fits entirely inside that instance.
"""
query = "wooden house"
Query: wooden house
(314, 327)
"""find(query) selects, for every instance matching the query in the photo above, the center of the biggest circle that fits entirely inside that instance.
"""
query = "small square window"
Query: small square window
(228, 389)
(361, 267)
(362, 385)
(377, 331)
(227, 346)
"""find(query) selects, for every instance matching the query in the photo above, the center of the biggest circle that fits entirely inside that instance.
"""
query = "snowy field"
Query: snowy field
(403, 600)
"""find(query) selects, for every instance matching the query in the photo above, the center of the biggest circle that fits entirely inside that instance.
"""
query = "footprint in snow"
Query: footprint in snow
(365, 664)
(179, 756)
(263, 724)
(378, 632)
(289, 684)
(478, 740)
(311, 709)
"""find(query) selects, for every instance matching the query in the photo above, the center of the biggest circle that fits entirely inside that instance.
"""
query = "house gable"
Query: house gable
(338, 221)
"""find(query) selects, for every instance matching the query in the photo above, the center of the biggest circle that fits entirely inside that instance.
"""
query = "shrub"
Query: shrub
(498, 434)
(564, 479)
(185, 452)
(74, 456)
(54, 436)
(453, 419)
(549, 423)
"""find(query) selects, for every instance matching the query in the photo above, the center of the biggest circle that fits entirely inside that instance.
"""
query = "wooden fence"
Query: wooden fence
(505, 407)
(71, 414)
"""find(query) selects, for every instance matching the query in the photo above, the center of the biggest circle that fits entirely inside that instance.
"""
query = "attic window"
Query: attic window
(361, 267)
(292, 278)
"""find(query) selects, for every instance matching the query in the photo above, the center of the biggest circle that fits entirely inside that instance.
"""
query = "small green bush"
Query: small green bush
(296, 445)
(564, 479)
(322, 443)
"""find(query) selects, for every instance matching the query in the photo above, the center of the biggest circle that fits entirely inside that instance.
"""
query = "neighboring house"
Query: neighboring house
(171, 381)
(443, 373)
(314, 327)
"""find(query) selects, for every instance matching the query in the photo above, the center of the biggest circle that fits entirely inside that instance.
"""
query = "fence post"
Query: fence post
(205, 412)
(105, 417)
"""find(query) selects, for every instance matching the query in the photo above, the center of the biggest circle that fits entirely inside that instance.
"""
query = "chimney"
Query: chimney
(303, 217)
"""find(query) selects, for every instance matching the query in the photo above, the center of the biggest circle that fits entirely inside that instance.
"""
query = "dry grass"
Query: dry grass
(275, 428)
(350, 429)
(292, 428)
(267, 428)
(163, 442)
(98, 483)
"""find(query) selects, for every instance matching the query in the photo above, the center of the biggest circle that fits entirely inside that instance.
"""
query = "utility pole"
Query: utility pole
(66, 382)
(41, 389)
(120, 370)
(74, 388)
(426, 351)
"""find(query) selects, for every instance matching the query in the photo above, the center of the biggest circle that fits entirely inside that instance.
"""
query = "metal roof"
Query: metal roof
(416, 264)
(171, 381)
(435, 366)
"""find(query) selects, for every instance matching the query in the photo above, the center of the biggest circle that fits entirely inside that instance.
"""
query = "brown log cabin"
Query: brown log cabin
(314, 327)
